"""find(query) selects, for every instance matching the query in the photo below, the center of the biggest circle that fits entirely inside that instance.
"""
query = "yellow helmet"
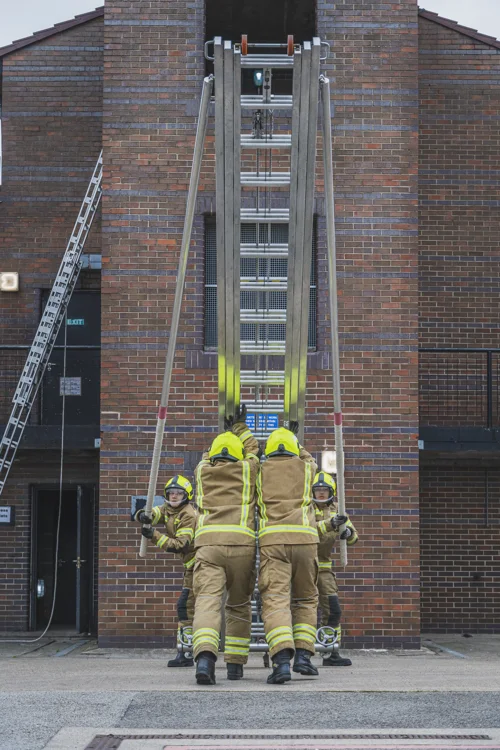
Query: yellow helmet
(282, 442)
(322, 480)
(179, 483)
(226, 445)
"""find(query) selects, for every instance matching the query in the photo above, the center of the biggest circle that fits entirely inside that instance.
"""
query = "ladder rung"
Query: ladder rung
(268, 377)
(256, 102)
(274, 179)
(267, 251)
(276, 215)
(266, 61)
(269, 408)
(263, 286)
(263, 347)
(271, 316)
(277, 141)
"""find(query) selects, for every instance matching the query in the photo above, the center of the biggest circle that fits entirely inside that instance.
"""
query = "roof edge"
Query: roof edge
(38, 36)
(455, 26)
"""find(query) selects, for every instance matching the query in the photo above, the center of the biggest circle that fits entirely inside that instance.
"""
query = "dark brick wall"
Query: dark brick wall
(460, 538)
(51, 129)
(459, 148)
(459, 189)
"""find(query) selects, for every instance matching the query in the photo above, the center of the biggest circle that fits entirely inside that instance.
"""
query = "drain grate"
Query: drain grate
(113, 742)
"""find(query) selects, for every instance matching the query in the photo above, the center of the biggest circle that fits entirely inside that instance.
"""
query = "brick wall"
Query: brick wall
(152, 83)
(51, 129)
(153, 75)
(374, 85)
(459, 189)
(458, 269)
(460, 538)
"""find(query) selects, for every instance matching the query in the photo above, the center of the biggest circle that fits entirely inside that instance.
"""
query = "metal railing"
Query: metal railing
(12, 359)
(459, 387)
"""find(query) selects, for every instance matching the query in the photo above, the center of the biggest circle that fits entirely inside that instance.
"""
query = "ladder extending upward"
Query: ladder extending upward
(265, 174)
(48, 328)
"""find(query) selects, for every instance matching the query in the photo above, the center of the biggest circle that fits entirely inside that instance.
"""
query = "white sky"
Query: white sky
(22, 17)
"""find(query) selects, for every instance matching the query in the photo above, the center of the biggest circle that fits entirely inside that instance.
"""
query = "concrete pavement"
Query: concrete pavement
(68, 686)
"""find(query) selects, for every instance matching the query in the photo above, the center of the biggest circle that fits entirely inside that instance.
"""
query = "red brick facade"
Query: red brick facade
(144, 107)
(51, 130)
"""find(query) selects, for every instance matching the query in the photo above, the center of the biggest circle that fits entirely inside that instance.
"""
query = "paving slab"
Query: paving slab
(317, 739)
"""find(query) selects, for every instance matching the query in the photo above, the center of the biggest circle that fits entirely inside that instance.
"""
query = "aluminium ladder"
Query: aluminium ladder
(48, 328)
(264, 210)
(265, 180)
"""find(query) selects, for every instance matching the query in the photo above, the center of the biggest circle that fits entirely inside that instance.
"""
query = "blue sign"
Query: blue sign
(250, 421)
(272, 422)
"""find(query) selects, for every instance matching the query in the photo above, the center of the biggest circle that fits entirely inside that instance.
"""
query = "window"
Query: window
(252, 268)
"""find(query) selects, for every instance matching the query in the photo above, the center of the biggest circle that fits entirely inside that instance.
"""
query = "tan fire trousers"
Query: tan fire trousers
(185, 606)
(288, 577)
(329, 601)
(218, 568)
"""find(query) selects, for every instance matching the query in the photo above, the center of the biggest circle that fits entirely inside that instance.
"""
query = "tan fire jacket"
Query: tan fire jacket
(284, 499)
(180, 524)
(327, 536)
(225, 494)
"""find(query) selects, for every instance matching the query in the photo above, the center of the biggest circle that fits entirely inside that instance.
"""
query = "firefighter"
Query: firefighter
(179, 518)
(225, 545)
(288, 542)
(329, 521)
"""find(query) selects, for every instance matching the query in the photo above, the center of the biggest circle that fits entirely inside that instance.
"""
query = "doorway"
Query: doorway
(75, 602)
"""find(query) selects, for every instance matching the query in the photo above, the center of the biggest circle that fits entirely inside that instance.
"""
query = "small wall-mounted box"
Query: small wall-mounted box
(7, 515)
(9, 281)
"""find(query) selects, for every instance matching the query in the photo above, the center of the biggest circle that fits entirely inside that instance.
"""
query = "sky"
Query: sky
(22, 17)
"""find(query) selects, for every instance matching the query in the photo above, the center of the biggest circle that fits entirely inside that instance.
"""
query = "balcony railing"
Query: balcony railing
(459, 388)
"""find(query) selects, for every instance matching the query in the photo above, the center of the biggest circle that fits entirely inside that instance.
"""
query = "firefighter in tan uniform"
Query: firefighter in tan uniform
(329, 521)
(225, 544)
(179, 518)
(288, 542)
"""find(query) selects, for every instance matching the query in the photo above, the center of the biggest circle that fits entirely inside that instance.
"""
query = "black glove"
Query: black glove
(143, 517)
(294, 427)
(338, 521)
(228, 422)
(347, 533)
(241, 414)
(147, 531)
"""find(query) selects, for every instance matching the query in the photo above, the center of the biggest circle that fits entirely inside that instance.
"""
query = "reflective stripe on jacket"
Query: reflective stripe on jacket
(180, 524)
(225, 495)
(327, 536)
(284, 498)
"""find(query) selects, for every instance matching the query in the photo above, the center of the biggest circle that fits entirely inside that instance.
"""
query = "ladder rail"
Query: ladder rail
(334, 313)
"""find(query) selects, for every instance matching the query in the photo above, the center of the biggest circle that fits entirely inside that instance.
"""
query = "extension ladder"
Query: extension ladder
(48, 328)
(265, 177)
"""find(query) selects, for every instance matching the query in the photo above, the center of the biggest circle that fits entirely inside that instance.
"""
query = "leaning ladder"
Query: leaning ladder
(49, 326)
(264, 247)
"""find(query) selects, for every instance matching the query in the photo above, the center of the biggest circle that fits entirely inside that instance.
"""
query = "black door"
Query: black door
(84, 558)
(67, 564)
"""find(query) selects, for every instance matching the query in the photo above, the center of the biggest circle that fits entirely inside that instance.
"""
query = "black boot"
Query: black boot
(205, 668)
(336, 660)
(181, 660)
(302, 663)
(234, 671)
(281, 668)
